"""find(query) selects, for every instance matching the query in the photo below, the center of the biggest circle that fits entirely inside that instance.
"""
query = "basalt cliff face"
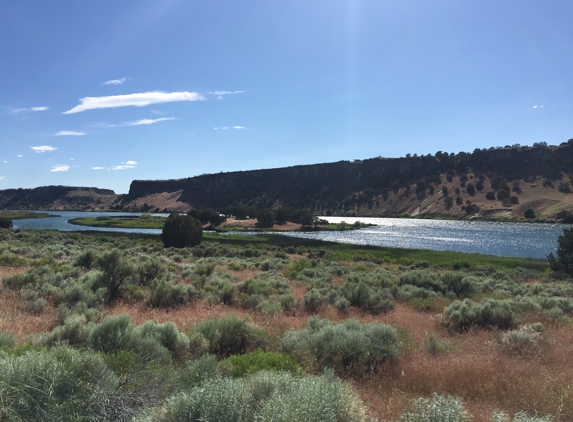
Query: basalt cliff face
(518, 178)
(492, 183)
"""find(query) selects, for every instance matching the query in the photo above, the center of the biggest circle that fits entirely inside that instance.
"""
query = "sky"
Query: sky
(100, 93)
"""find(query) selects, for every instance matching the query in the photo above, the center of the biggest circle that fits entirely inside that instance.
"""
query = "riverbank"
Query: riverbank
(230, 225)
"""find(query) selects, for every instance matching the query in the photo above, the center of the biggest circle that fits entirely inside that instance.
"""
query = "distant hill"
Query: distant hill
(58, 198)
(495, 183)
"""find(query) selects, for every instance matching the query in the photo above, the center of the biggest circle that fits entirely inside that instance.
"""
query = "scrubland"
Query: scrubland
(101, 327)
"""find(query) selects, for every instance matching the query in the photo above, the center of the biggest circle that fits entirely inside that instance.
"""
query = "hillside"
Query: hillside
(58, 198)
(495, 183)
(519, 177)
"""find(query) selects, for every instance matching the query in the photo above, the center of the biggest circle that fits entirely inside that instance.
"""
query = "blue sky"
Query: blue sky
(100, 93)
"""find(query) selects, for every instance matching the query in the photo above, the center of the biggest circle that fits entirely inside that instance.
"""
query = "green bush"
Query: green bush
(60, 384)
(198, 371)
(438, 409)
(231, 335)
(461, 315)
(348, 345)
(241, 365)
(167, 294)
(7, 340)
(264, 396)
(181, 231)
(264, 290)
(115, 272)
(435, 347)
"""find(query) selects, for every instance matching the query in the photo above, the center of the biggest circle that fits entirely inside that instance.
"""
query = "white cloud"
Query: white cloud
(43, 148)
(128, 165)
(228, 127)
(19, 155)
(220, 94)
(149, 121)
(98, 168)
(534, 106)
(60, 167)
(22, 110)
(5, 161)
(238, 127)
(138, 100)
(2, 177)
(225, 92)
(115, 81)
(69, 133)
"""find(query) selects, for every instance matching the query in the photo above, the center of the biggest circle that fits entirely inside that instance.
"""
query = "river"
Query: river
(526, 240)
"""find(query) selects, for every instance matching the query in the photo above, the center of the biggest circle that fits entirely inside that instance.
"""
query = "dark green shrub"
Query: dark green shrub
(241, 365)
(181, 231)
(5, 223)
(231, 335)
(564, 260)
(459, 200)
(490, 196)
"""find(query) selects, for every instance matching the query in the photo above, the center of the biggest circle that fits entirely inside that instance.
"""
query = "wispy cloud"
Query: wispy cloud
(138, 100)
(19, 156)
(60, 167)
(42, 148)
(149, 121)
(115, 81)
(220, 94)
(98, 168)
(69, 133)
(538, 106)
(5, 161)
(229, 127)
(124, 166)
(2, 177)
(24, 110)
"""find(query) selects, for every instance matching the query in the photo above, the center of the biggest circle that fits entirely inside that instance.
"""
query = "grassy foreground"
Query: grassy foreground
(270, 328)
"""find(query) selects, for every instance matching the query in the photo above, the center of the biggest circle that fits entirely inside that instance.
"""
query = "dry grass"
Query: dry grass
(13, 319)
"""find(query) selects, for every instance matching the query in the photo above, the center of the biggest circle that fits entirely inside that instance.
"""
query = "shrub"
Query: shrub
(344, 345)
(7, 340)
(86, 259)
(113, 334)
(461, 315)
(265, 396)
(56, 384)
(564, 260)
(115, 272)
(231, 335)
(434, 346)
(529, 213)
(166, 294)
(241, 365)
(198, 371)
(490, 196)
(438, 409)
(150, 270)
(181, 231)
